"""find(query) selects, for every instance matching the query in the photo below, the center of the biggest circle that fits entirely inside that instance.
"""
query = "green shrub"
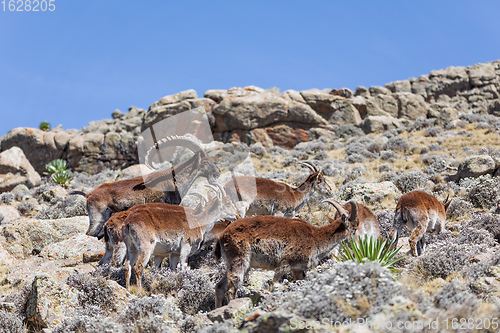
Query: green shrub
(44, 126)
(56, 166)
(379, 250)
(62, 178)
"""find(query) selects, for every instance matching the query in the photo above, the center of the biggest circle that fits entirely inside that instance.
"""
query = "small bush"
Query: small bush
(194, 291)
(88, 324)
(458, 208)
(72, 205)
(6, 198)
(443, 258)
(433, 131)
(485, 194)
(355, 158)
(44, 126)
(10, 323)
(411, 181)
(488, 222)
(96, 297)
(25, 207)
(388, 155)
(397, 143)
(151, 314)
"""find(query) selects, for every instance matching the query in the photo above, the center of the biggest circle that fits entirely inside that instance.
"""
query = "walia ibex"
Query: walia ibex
(420, 212)
(116, 250)
(261, 196)
(156, 229)
(277, 243)
(368, 224)
(163, 186)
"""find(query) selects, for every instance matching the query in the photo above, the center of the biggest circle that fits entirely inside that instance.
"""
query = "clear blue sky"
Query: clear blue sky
(88, 58)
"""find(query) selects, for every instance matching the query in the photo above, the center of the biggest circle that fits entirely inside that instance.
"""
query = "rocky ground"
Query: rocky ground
(439, 133)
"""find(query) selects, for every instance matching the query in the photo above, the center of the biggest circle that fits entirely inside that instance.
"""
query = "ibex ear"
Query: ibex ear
(354, 211)
(446, 205)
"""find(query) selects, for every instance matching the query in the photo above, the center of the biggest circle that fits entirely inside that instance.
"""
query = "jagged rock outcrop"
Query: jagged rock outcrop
(253, 114)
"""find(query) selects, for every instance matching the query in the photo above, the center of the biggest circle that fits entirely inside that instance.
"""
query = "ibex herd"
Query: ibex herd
(141, 218)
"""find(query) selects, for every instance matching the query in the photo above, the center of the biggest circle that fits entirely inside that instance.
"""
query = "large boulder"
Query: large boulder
(30, 236)
(50, 301)
(411, 106)
(242, 109)
(8, 214)
(475, 166)
(40, 147)
(373, 124)
(95, 152)
(15, 169)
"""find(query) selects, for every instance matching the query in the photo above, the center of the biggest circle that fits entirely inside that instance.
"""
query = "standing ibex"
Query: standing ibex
(159, 230)
(277, 243)
(116, 250)
(164, 186)
(420, 212)
(261, 196)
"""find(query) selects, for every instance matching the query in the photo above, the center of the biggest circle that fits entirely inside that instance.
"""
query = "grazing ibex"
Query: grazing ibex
(367, 222)
(164, 186)
(261, 196)
(161, 231)
(116, 249)
(420, 212)
(279, 244)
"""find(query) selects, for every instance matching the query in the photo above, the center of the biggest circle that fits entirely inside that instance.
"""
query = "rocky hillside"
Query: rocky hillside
(283, 119)
(439, 133)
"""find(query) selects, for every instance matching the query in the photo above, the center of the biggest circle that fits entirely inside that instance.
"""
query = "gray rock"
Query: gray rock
(40, 147)
(482, 74)
(229, 311)
(475, 166)
(242, 110)
(9, 213)
(362, 91)
(372, 124)
(50, 302)
(399, 86)
(15, 169)
(411, 106)
(321, 102)
(29, 236)
(376, 90)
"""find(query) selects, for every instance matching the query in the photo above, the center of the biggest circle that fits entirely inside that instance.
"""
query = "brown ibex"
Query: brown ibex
(261, 196)
(164, 186)
(279, 244)
(420, 212)
(161, 231)
(116, 250)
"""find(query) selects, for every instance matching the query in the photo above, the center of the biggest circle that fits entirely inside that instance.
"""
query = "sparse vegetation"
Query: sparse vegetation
(369, 248)
(44, 126)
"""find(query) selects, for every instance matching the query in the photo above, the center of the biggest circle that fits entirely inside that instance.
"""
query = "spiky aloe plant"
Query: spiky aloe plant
(62, 177)
(379, 250)
(56, 166)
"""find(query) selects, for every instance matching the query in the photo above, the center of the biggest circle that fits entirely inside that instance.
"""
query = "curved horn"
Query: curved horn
(342, 211)
(354, 211)
(310, 165)
(174, 140)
